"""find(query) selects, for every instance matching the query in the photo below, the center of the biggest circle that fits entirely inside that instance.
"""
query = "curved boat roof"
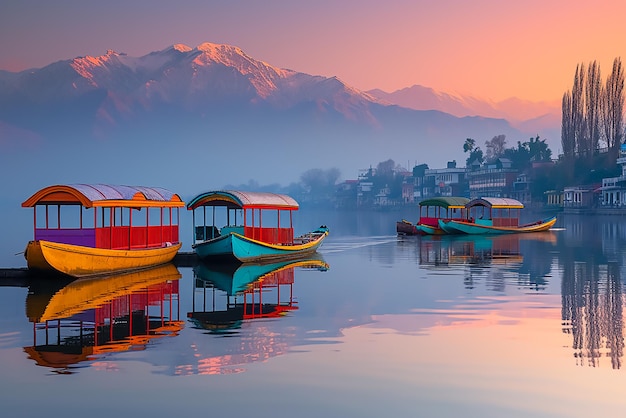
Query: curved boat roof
(496, 203)
(90, 195)
(446, 202)
(238, 199)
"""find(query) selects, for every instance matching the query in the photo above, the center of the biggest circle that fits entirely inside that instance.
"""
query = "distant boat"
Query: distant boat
(96, 229)
(494, 215)
(253, 230)
(431, 211)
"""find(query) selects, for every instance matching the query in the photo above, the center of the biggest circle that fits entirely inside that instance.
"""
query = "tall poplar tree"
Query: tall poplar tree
(593, 100)
(613, 109)
(578, 109)
(568, 138)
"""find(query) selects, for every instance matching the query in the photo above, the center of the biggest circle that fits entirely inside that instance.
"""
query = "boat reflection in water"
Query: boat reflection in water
(242, 302)
(491, 257)
(86, 318)
(248, 292)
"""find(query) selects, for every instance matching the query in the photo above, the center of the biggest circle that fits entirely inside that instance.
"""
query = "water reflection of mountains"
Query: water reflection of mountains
(244, 286)
(79, 320)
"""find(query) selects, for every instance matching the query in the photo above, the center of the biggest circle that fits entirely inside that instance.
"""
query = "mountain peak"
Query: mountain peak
(181, 48)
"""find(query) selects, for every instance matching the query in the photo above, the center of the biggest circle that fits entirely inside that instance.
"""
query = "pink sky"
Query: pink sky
(487, 48)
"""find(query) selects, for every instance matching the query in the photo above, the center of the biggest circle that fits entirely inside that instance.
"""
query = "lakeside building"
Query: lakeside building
(449, 181)
(494, 179)
(579, 199)
(614, 188)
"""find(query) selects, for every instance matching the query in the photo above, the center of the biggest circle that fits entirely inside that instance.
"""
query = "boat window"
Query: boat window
(139, 217)
(154, 216)
(103, 219)
(88, 218)
(40, 216)
(69, 216)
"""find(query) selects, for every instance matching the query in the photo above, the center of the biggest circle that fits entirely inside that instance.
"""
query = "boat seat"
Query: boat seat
(206, 232)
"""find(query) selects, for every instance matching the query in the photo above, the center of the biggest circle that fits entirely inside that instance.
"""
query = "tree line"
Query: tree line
(593, 112)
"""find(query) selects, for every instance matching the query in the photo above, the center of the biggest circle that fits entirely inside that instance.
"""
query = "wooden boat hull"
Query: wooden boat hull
(79, 261)
(477, 229)
(246, 250)
(406, 228)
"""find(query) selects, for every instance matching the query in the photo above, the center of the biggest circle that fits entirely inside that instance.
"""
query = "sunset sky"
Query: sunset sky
(487, 48)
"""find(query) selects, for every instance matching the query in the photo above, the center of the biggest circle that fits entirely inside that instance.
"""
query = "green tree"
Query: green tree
(475, 153)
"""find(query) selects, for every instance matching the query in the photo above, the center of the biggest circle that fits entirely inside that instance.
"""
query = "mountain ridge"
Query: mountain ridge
(216, 100)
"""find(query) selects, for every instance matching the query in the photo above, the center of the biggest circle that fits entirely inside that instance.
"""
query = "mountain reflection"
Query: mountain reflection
(227, 297)
(75, 321)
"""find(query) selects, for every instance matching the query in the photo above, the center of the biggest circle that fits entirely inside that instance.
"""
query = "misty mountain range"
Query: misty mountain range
(198, 118)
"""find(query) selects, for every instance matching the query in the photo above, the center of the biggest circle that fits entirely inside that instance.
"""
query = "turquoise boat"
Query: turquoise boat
(257, 227)
(494, 215)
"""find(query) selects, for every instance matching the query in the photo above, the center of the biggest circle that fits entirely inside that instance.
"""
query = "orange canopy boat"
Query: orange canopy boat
(90, 229)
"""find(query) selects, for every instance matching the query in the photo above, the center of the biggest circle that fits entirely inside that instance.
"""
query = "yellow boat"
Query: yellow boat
(78, 261)
(111, 234)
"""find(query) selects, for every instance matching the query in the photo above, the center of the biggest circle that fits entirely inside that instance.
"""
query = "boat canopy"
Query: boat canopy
(104, 195)
(236, 199)
(446, 202)
(496, 203)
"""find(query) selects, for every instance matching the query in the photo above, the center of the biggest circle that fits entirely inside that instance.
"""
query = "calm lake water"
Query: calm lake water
(377, 326)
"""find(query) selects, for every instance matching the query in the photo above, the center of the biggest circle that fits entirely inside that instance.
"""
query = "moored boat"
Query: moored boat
(248, 235)
(431, 211)
(494, 215)
(405, 227)
(97, 229)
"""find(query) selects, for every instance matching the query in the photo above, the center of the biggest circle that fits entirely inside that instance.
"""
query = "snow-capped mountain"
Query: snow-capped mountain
(214, 111)
(531, 117)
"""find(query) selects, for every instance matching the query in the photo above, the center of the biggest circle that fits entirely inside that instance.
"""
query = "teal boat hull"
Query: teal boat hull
(234, 246)
(451, 226)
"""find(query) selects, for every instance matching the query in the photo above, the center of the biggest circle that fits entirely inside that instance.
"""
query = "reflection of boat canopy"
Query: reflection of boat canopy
(472, 249)
(247, 280)
(116, 237)
(235, 278)
(88, 293)
(98, 316)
